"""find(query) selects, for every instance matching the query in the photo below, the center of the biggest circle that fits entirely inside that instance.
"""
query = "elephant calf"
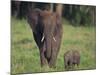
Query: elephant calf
(71, 58)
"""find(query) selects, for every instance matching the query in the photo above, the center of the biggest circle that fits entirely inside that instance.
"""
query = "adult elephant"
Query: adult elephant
(47, 31)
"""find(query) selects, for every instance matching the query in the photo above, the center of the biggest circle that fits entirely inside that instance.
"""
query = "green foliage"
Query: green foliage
(25, 54)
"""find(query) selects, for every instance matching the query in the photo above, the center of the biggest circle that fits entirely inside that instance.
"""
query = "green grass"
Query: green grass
(25, 54)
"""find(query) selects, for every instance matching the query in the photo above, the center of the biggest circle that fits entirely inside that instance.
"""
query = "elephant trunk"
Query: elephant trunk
(48, 41)
(48, 45)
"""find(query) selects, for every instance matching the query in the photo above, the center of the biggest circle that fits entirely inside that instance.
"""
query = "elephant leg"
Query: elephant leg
(52, 61)
(41, 46)
(53, 58)
(43, 59)
(42, 56)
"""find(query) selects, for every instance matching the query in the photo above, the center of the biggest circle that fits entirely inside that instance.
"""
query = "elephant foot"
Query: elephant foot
(52, 64)
(44, 62)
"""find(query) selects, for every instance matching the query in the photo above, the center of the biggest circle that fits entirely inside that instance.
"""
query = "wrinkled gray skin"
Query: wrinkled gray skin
(47, 32)
(71, 58)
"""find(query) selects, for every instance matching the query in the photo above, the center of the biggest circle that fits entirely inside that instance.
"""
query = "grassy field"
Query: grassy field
(25, 54)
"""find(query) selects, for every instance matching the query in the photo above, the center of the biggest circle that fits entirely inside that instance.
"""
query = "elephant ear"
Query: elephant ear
(33, 18)
(58, 25)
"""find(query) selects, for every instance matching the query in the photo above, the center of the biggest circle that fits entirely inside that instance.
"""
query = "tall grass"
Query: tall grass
(25, 54)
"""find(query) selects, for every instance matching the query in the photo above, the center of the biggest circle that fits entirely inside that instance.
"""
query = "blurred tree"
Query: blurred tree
(15, 7)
